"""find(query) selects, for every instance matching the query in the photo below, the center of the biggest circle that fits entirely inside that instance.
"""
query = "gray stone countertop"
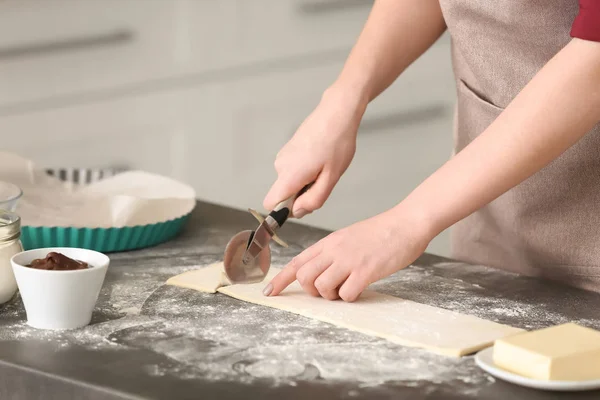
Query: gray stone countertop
(151, 341)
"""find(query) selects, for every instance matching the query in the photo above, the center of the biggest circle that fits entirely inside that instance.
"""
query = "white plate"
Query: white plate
(485, 361)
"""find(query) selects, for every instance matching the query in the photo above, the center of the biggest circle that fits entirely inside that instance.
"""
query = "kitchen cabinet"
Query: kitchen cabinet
(60, 48)
(56, 49)
(141, 132)
(270, 29)
(208, 91)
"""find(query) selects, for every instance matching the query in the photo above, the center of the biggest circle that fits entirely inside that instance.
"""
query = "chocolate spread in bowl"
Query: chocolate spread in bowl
(57, 262)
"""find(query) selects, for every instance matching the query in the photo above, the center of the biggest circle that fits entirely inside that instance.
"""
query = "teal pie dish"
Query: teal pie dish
(105, 240)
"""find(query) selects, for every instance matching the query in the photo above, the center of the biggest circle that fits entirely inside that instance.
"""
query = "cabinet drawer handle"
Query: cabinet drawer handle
(325, 6)
(405, 118)
(113, 37)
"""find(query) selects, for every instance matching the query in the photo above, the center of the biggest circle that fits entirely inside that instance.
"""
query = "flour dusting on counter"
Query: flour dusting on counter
(213, 337)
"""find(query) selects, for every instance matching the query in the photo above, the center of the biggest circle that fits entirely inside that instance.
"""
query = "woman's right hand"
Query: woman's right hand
(320, 151)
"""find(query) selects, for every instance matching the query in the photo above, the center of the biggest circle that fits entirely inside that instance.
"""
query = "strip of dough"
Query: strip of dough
(397, 320)
(207, 279)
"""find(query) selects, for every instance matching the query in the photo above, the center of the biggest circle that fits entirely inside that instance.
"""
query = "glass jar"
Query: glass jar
(10, 233)
(9, 196)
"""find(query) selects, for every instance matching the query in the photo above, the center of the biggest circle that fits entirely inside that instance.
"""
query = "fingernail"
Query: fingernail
(268, 289)
(300, 213)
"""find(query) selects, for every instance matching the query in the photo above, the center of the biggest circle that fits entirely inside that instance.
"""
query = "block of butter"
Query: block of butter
(568, 352)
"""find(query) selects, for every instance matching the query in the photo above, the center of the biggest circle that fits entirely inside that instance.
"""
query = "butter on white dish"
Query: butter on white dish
(568, 352)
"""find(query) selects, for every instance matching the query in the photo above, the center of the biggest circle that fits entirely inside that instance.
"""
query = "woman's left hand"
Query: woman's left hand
(344, 263)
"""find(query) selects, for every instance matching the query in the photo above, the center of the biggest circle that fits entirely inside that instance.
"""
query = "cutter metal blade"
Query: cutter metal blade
(248, 255)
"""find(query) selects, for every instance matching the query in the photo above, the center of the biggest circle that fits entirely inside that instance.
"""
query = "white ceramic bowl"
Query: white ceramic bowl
(59, 299)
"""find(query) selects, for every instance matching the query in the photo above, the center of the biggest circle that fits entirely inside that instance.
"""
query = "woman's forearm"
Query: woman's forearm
(396, 33)
(554, 111)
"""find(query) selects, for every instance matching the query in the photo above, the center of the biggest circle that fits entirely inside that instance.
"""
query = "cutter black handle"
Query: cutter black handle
(283, 210)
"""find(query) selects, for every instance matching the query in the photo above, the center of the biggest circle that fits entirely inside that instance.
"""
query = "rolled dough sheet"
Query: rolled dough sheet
(397, 320)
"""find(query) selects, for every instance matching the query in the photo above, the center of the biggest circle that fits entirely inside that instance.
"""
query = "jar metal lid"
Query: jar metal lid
(10, 226)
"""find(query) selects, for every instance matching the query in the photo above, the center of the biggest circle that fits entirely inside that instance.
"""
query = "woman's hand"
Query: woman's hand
(344, 263)
(320, 151)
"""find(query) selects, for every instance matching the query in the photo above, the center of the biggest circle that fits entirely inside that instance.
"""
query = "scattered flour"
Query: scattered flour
(214, 337)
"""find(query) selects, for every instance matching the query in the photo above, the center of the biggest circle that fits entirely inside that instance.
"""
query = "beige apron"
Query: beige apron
(548, 226)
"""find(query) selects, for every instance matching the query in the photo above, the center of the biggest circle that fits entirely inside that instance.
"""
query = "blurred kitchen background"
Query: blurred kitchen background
(207, 91)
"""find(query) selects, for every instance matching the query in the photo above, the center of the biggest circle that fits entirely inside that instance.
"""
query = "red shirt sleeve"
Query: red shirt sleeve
(587, 23)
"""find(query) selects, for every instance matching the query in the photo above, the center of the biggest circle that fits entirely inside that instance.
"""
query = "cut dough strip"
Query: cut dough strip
(397, 320)
(208, 279)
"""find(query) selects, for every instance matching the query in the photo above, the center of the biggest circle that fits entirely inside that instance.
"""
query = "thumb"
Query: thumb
(284, 187)
(315, 197)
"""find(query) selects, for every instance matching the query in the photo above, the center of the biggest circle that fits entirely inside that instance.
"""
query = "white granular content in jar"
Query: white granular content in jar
(8, 285)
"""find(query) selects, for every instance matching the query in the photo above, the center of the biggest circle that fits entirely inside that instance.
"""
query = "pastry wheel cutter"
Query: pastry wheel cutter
(248, 256)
